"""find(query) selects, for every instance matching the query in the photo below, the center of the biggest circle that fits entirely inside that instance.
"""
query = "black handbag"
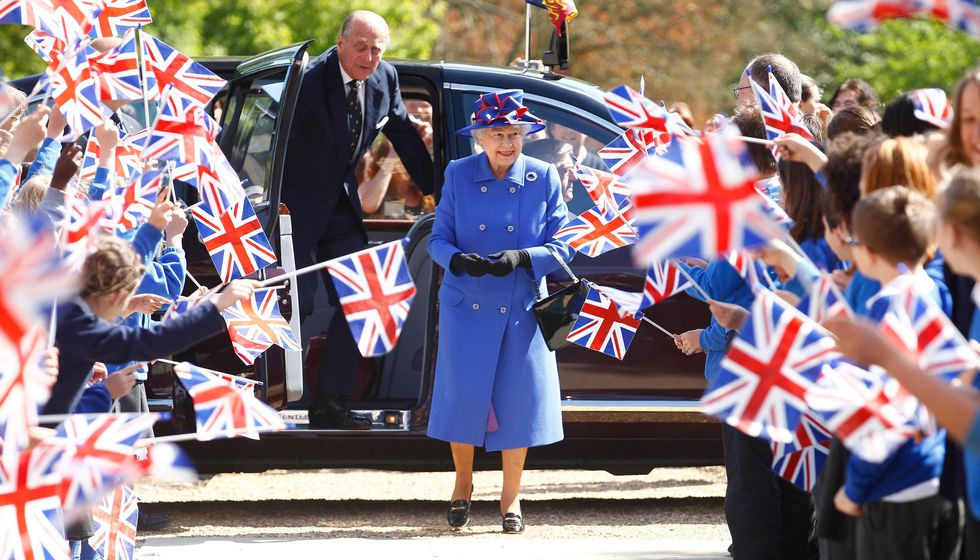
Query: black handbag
(558, 312)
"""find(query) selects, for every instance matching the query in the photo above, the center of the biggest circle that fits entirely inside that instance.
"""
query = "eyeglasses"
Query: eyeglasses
(737, 89)
(852, 242)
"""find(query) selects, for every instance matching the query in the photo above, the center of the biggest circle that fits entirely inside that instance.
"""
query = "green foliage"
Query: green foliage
(247, 27)
(899, 56)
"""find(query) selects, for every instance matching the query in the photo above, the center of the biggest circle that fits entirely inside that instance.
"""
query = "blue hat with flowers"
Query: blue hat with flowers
(501, 108)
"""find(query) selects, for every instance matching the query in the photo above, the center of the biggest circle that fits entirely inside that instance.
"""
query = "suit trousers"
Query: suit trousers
(342, 235)
(768, 517)
(900, 531)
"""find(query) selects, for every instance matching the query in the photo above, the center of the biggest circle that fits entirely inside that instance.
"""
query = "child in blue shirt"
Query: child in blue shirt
(897, 500)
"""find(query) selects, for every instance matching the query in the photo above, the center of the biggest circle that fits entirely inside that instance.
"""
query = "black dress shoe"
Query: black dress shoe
(459, 512)
(335, 416)
(513, 523)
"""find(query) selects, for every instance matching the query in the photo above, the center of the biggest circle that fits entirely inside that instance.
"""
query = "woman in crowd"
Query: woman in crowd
(854, 92)
(496, 382)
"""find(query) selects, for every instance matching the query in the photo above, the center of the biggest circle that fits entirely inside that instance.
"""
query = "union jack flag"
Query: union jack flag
(46, 45)
(127, 157)
(801, 461)
(932, 106)
(776, 213)
(80, 231)
(181, 306)
(916, 323)
(865, 15)
(117, 71)
(96, 452)
(120, 16)
(72, 20)
(75, 92)
(221, 406)
(595, 233)
(133, 204)
(701, 201)
(256, 324)
(663, 280)
(33, 276)
(234, 239)
(749, 268)
(218, 185)
(862, 408)
(32, 526)
(115, 525)
(33, 13)
(824, 301)
(630, 109)
(608, 190)
(376, 292)
(24, 387)
(778, 111)
(188, 137)
(177, 74)
(628, 149)
(627, 303)
(163, 461)
(772, 364)
(601, 326)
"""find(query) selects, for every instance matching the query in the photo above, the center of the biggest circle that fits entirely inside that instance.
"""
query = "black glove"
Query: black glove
(508, 261)
(470, 263)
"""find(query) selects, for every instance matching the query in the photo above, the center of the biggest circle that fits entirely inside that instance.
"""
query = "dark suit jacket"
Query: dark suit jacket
(319, 166)
(84, 339)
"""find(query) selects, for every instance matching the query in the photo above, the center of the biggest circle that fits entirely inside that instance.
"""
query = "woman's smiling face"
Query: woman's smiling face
(502, 144)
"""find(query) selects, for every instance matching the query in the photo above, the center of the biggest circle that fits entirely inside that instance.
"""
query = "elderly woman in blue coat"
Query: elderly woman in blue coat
(496, 380)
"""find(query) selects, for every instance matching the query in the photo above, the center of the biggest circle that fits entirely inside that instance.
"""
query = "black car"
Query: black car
(625, 417)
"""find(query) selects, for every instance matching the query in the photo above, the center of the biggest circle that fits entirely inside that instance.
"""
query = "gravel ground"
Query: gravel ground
(679, 504)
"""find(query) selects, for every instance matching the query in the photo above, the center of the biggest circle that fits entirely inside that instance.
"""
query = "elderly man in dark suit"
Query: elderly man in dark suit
(348, 96)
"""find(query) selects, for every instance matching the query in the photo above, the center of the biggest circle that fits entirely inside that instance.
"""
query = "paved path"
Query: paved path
(503, 547)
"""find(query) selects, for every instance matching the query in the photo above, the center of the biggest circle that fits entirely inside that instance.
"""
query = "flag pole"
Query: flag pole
(527, 35)
(192, 279)
(236, 377)
(687, 275)
(751, 140)
(192, 436)
(663, 330)
(146, 103)
(293, 274)
(59, 418)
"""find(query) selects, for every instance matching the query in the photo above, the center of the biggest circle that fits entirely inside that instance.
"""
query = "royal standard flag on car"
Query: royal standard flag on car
(559, 11)
(376, 292)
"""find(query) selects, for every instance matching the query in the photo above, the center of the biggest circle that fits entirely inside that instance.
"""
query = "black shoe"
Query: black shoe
(149, 522)
(513, 523)
(335, 416)
(459, 512)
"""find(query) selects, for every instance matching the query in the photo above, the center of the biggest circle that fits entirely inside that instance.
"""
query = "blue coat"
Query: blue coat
(490, 347)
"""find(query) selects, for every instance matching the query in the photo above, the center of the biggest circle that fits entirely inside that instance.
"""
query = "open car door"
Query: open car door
(255, 112)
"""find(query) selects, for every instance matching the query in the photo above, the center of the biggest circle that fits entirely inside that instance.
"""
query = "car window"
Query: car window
(386, 189)
(251, 153)
(566, 135)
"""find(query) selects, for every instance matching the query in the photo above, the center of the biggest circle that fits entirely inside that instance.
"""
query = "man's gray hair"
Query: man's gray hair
(786, 71)
(367, 15)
